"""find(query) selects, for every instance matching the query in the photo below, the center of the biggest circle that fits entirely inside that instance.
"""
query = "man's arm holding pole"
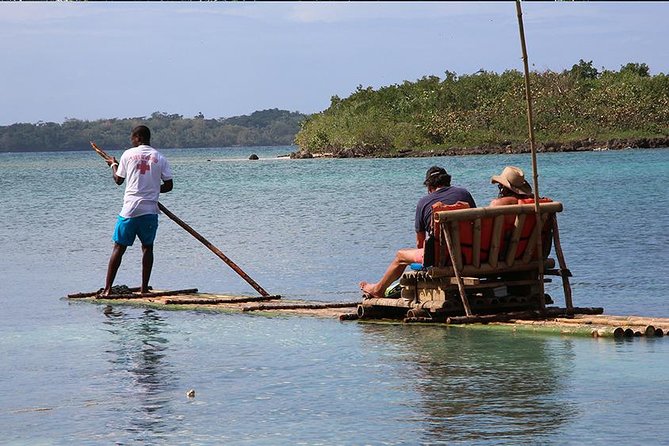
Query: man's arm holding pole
(111, 162)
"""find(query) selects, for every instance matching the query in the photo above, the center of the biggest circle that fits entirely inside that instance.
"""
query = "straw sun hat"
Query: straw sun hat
(514, 179)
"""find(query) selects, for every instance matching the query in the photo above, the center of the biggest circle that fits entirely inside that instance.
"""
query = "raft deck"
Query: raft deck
(191, 299)
(595, 325)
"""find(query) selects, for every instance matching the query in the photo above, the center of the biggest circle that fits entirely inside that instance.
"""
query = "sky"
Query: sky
(98, 60)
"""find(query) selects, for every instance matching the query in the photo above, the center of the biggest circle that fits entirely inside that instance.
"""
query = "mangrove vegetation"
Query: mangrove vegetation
(485, 112)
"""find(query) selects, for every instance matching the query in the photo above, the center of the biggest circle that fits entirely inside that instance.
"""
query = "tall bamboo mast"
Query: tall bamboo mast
(533, 150)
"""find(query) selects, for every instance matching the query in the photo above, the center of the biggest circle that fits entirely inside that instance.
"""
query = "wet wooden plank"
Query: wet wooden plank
(94, 293)
(148, 295)
(305, 306)
(218, 301)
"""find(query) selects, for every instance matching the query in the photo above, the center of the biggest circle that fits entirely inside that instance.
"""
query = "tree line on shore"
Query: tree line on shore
(272, 127)
(464, 112)
(484, 112)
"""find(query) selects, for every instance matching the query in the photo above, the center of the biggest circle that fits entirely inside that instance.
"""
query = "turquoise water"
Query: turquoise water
(312, 229)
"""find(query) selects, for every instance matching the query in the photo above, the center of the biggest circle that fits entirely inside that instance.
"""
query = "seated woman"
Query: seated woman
(512, 187)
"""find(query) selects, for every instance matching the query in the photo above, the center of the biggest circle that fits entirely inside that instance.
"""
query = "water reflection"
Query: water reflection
(143, 376)
(482, 386)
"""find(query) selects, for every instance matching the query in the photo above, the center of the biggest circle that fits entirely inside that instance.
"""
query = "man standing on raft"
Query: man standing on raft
(148, 174)
(438, 183)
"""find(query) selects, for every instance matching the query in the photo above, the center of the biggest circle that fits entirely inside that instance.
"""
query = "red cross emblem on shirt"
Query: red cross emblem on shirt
(144, 167)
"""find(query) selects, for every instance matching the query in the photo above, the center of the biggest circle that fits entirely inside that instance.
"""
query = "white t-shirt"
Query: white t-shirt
(143, 168)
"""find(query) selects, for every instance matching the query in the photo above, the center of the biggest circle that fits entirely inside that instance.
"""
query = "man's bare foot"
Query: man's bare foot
(145, 291)
(103, 292)
(371, 289)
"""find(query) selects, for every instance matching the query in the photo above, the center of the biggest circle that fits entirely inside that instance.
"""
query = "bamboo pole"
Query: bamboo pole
(454, 231)
(456, 269)
(215, 250)
(493, 254)
(529, 314)
(620, 330)
(513, 209)
(217, 301)
(261, 307)
(485, 268)
(148, 295)
(564, 271)
(476, 258)
(532, 242)
(94, 293)
(533, 150)
(616, 321)
(515, 239)
(418, 313)
(542, 327)
(385, 302)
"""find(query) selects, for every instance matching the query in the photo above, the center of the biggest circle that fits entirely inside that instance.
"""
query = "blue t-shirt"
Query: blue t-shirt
(447, 195)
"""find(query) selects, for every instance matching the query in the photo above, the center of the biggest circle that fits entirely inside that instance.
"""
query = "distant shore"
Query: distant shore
(583, 145)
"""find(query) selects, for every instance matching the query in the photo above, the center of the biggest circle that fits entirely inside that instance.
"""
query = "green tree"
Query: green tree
(584, 70)
(637, 69)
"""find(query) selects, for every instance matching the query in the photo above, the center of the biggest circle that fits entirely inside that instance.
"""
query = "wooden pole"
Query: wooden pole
(218, 301)
(528, 326)
(263, 307)
(214, 249)
(528, 314)
(533, 150)
(195, 234)
(513, 209)
(100, 152)
(564, 271)
(95, 293)
(461, 286)
(148, 295)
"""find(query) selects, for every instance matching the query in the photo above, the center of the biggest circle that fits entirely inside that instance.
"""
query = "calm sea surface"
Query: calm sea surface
(312, 229)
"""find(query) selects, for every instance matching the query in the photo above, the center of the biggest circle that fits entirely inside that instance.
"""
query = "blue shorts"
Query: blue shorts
(144, 227)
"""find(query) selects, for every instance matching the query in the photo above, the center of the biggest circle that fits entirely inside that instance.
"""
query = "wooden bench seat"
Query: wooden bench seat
(489, 256)
(492, 239)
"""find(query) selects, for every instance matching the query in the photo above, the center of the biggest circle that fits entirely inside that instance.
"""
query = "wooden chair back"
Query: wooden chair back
(492, 239)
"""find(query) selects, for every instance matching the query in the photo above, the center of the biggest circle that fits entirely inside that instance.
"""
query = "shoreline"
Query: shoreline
(503, 148)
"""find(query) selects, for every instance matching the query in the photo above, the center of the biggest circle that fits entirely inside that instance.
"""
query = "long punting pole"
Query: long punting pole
(214, 249)
(198, 236)
(533, 150)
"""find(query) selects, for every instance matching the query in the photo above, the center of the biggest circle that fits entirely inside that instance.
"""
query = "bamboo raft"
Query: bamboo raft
(488, 271)
(486, 267)
(191, 299)
(557, 322)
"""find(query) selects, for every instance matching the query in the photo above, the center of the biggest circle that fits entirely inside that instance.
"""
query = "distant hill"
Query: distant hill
(272, 127)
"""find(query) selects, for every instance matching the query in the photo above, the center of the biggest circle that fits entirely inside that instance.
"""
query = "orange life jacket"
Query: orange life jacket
(466, 235)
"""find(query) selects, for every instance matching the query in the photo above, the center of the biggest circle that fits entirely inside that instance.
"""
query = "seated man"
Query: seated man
(438, 183)
(512, 187)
